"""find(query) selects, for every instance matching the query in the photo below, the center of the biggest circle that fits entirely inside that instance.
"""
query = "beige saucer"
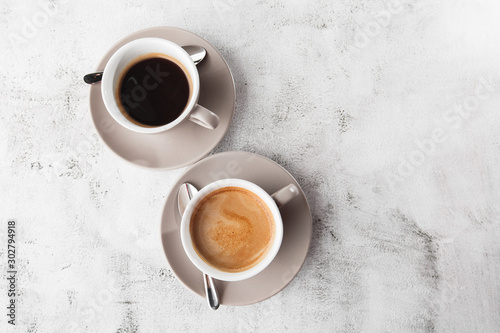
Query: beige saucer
(297, 223)
(186, 143)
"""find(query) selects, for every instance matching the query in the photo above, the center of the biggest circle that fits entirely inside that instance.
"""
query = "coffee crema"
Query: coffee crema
(232, 229)
(153, 90)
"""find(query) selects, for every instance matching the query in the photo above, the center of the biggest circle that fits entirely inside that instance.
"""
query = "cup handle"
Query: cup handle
(204, 117)
(284, 195)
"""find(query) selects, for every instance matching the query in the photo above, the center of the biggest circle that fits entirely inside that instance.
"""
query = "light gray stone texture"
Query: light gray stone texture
(386, 112)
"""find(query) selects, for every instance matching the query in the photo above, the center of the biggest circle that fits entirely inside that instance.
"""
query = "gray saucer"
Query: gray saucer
(297, 223)
(186, 143)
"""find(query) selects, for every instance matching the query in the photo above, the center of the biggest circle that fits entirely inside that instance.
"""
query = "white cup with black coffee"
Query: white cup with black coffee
(151, 85)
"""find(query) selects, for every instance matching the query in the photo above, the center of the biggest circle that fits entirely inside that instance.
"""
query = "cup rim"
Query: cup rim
(212, 271)
(110, 71)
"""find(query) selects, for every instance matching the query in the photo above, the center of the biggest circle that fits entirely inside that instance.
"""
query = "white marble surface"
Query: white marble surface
(387, 113)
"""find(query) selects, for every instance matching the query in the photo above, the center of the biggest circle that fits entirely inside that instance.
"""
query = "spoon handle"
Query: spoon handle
(212, 297)
(93, 78)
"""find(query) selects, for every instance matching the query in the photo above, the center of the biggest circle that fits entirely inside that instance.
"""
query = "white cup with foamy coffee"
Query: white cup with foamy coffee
(232, 229)
(151, 85)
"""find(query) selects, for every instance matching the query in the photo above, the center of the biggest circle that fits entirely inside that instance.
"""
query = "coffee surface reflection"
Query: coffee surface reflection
(153, 90)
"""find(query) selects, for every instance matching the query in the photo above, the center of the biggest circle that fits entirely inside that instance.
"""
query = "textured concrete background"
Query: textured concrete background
(386, 112)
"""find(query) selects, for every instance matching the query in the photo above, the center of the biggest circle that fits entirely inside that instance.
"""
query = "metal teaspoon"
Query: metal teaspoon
(186, 192)
(196, 52)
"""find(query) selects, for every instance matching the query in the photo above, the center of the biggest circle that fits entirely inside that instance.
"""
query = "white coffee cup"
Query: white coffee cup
(273, 202)
(141, 47)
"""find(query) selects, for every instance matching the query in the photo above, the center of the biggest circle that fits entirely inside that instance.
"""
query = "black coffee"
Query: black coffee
(153, 90)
